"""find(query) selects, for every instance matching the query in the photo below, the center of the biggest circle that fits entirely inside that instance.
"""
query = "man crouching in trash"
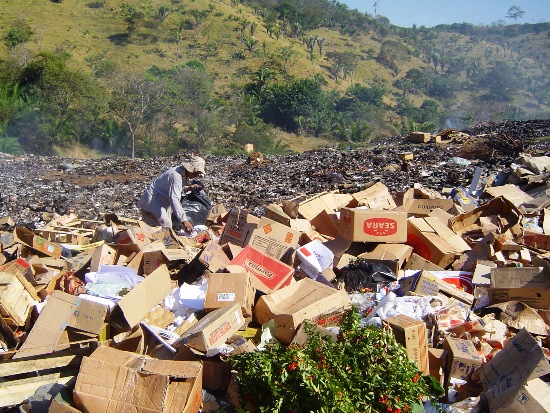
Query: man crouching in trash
(162, 198)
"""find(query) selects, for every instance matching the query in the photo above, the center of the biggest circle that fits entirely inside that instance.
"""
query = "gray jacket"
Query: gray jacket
(163, 196)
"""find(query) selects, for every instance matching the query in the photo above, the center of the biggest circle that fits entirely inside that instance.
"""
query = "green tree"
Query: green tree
(502, 81)
(63, 95)
(135, 100)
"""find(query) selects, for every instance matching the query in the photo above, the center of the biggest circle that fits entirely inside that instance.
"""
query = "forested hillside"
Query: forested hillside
(161, 76)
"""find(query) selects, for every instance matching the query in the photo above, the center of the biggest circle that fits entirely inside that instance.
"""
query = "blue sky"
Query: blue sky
(433, 12)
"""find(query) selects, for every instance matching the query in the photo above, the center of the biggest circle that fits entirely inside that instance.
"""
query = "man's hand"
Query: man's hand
(188, 226)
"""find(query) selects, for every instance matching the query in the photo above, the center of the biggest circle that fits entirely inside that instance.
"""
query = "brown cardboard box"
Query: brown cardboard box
(530, 285)
(419, 137)
(135, 305)
(425, 283)
(28, 238)
(275, 212)
(416, 262)
(214, 257)
(319, 210)
(304, 300)
(536, 240)
(17, 296)
(479, 221)
(213, 330)
(411, 334)
(274, 239)
(434, 241)
(436, 361)
(268, 274)
(58, 407)
(421, 201)
(461, 359)
(508, 379)
(155, 257)
(510, 192)
(62, 311)
(111, 380)
(376, 196)
(132, 235)
(369, 225)
(302, 336)
(392, 255)
(226, 289)
(238, 228)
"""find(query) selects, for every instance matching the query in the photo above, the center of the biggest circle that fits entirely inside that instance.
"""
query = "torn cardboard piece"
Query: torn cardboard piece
(112, 380)
(503, 377)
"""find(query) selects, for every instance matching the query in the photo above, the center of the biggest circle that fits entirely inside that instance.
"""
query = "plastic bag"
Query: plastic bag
(197, 206)
(366, 275)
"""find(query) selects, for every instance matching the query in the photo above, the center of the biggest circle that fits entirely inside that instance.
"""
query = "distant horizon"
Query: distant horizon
(431, 13)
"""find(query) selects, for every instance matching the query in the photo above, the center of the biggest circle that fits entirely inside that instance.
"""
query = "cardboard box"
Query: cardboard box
(135, 305)
(478, 222)
(421, 201)
(238, 228)
(320, 211)
(419, 137)
(530, 285)
(274, 239)
(132, 235)
(416, 262)
(536, 240)
(275, 212)
(17, 296)
(425, 283)
(508, 379)
(111, 380)
(304, 300)
(315, 258)
(214, 257)
(434, 241)
(461, 359)
(411, 334)
(510, 192)
(213, 330)
(157, 257)
(368, 225)
(268, 274)
(62, 312)
(376, 196)
(58, 407)
(226, 289)
(392, 255)
(28, 238)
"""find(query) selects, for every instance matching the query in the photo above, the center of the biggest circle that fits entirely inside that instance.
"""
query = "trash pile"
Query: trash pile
(113, 315)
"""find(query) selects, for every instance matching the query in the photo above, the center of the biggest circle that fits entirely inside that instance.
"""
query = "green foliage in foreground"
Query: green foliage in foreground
(366, 370)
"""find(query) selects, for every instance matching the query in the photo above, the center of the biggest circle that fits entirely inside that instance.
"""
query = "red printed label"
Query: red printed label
(380, 227)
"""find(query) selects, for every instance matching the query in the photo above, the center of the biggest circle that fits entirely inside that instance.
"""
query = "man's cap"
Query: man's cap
(194, 164)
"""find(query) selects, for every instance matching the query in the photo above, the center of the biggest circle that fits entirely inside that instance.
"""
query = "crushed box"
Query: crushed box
(530, 285)
(112, 380)
(434, 241)
(304, 300)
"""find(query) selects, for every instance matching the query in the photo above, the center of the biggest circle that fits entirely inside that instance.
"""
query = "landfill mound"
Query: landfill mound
(395, 279)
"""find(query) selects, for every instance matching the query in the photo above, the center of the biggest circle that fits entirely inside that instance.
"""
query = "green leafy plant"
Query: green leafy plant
(365, 370)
